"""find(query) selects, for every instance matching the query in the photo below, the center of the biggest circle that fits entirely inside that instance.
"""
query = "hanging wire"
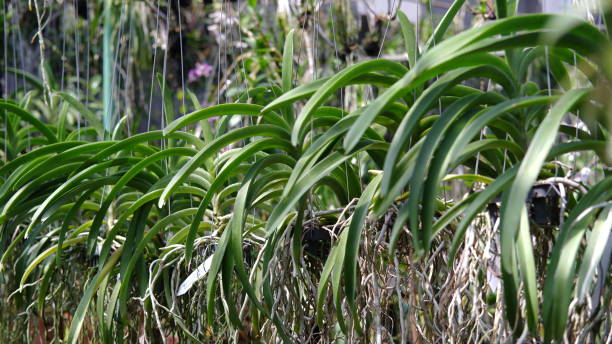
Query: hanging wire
(314, 77)
(331, 11)
(391, 10)
(63, 46)
(301, 42)
(21, 60)
(416, 50)
(178, 5)
(219, 56)
(4, 32)
(482, 131)
(505, 155)
(433, 27)
(41, 47)
(76, 60)
(577, 115)
(244, 73)
(183, 107)
(106, 188)
(314, 53)
(315, 34)
(433, 37)
(346, 166)
(163, 90)
(548, 84)
(391, 13)
(128, 70)
(20, 43)
(87, 56)
(114, 89)
(245, 82)
(5, 45)
(153, 69)
(566, 7)
(165, 64)
(15, 86)
(232, 38)
(14, 49)
(547, 71)
(122, 72)
(225, 40)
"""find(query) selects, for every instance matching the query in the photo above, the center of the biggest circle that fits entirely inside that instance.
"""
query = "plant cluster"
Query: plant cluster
(288, 216)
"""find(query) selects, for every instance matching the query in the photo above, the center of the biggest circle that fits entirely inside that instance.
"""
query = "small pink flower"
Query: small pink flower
(200, 70)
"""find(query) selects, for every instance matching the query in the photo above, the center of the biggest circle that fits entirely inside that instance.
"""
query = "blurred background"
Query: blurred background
(215, 49)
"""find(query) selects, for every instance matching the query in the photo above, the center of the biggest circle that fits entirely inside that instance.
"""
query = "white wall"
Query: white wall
(410, 6)
(382, 7)
(555, 6)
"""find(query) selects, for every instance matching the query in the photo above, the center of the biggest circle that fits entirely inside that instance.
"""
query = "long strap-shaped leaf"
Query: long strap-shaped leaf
(452, 11)
(335, 82)
(124, 282)
(513, 200)
(39, 152)
(81, 311)
(594, 251)
(69, 184)
(28, 117)
(131, 173)
(418, 110)
(561, 268)
(142, 201)
(214, 147)
(82, 109)
(218, 110)
(307, 90)
(433, 138)
(410, 39)
(235, 246)
(354, 238)
(463, 50)
(311, 178)
(221, 178)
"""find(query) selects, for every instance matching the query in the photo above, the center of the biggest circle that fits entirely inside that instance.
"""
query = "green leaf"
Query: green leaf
(452, 11)
(212, 111)
(221, 178)
(94, 283)
(46, 254)
(83, 110)
(214, 147)
(410, 43)
(26, 116)
(335, 82)
(287, 66)
(594, 251)
(432, 140)
(528, 271)
(513, 200)
(561, 268)
(354, 238)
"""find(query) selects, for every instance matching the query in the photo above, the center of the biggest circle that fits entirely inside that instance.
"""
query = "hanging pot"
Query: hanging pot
(543, 205)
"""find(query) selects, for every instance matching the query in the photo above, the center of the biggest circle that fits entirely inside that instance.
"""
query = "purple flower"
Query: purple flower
(212, 119)
(200, 70)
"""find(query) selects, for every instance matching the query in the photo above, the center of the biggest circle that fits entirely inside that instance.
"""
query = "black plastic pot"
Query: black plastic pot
(317, 242)
(543, 205)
